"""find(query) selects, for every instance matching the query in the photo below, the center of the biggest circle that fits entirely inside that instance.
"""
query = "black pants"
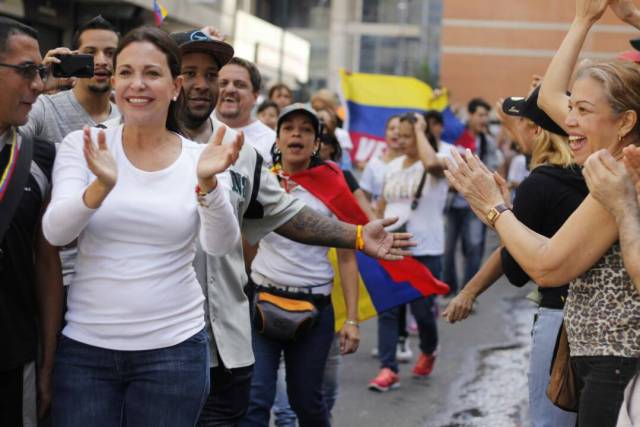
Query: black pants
(11, 383)
(229, 397)
(601, 381)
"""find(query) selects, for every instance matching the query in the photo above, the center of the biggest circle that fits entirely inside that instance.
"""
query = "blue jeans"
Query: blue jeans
(462, 223)
(284, 416)
(424, 312)
(305, 361)
(99, 387)
(542, 412)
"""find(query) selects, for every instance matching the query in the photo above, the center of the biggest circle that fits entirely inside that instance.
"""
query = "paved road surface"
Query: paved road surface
(479, 378)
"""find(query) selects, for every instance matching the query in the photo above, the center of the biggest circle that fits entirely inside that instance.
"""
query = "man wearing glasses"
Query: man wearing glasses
(30, 284)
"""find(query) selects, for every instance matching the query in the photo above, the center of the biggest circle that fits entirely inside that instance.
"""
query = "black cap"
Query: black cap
(197, 41)
(528, 108)
(635, 43)
(301, 108)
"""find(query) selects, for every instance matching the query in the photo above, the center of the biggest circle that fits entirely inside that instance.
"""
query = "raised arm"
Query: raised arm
(428, 156)
(219, 228)
(581, 241)
(553, 97)
(312, 228)
(75, 197)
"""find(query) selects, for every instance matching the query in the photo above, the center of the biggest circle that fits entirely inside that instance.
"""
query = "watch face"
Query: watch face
(492, 215)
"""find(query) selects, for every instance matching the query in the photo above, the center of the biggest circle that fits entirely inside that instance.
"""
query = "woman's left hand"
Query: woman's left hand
(475, 182)
(609, 182)
(349, 339)
(379, 243)
(216, 158)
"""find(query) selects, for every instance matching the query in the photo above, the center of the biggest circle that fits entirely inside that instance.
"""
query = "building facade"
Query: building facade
(371, 36)
(491, 48)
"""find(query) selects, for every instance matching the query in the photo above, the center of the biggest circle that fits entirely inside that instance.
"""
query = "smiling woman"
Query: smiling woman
(602, 311)
(130, 202)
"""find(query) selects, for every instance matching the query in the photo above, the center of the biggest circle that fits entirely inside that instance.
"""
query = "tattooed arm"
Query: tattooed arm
(312, 228)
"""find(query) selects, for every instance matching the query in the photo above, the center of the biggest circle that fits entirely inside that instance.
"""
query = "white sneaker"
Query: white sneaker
(403, 352)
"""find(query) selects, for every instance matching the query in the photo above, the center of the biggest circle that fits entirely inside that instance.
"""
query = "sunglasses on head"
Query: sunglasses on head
(28, 70)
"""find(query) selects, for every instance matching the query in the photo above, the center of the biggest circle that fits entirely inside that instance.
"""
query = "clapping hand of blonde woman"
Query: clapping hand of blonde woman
(216, 158)
(475, 182)
(99, 159)
(459, 308)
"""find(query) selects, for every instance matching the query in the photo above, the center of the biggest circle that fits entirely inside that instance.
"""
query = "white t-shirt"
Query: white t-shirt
(135, 287)
(372, 177)
(426, 222)
(261, 137)
(518, 169)
(284, 262)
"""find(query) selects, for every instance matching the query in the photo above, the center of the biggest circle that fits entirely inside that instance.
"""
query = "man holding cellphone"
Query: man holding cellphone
(87, 103)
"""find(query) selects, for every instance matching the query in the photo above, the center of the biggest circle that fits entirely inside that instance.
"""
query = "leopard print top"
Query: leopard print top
(602, 312)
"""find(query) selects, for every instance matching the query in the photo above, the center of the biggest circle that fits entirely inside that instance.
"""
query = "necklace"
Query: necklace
(11, 165)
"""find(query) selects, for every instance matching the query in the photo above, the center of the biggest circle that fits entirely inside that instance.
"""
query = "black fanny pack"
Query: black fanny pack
(286, 316)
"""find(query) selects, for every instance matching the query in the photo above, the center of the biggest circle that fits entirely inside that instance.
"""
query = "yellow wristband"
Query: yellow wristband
(359, 239)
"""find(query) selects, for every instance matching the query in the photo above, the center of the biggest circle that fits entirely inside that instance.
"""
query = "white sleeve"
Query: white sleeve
(367, 180)
(67, 215)
(219, 228)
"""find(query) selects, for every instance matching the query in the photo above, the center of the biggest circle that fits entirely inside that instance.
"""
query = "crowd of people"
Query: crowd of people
(166, 251)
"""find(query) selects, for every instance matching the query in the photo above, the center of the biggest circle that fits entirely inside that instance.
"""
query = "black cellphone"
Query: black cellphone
(74, 66)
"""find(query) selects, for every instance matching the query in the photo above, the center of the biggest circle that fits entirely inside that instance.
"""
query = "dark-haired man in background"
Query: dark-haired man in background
(30, 281)
(55, 116)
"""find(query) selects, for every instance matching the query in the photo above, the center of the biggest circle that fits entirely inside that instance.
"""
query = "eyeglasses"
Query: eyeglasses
(29, 70)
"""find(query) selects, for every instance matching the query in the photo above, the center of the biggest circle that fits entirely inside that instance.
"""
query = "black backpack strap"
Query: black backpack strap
(11, 200)
(416, 197)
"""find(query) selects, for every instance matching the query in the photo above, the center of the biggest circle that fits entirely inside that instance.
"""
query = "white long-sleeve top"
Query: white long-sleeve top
(135, 287)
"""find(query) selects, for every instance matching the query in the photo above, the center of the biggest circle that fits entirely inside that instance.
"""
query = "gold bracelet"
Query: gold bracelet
(359, 239)
(352, 323)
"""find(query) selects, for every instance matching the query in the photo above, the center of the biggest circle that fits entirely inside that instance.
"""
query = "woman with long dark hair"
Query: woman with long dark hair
(135, 350)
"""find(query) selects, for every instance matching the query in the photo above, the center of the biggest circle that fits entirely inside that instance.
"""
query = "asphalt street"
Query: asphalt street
(479, 378)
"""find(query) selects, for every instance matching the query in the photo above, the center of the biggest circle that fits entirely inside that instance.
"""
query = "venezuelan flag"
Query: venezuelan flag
(160, 12)
(372, 98)
(382, 284)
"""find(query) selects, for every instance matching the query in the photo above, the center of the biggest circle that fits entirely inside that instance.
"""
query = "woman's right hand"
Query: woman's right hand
(459, 308)
(99, 159)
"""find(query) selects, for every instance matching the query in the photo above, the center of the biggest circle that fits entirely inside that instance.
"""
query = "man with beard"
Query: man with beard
(261, 206)
(240, 83)
(54, 116)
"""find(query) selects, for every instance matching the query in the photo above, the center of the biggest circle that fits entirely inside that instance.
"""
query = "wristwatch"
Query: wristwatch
(494, 213)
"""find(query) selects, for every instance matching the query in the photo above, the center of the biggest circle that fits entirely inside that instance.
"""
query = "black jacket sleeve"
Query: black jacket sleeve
(529, 208)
